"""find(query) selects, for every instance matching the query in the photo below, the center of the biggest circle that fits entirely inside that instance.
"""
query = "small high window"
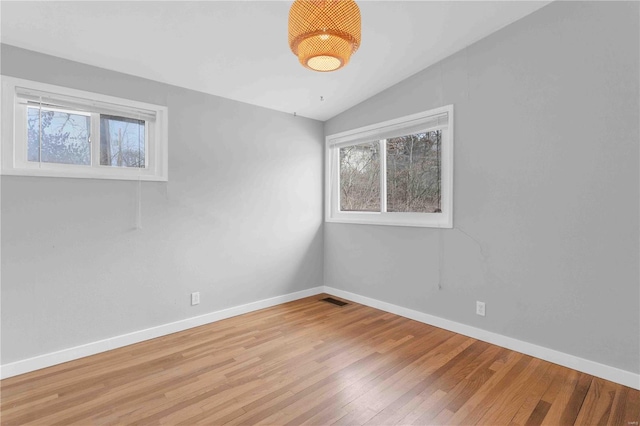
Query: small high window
(399, 172)
(61, 132)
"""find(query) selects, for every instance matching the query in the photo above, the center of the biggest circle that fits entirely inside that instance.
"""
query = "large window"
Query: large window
(399, 172)
(56, 131)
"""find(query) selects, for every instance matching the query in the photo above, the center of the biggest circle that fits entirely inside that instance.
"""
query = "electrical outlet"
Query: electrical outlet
(480, 308)
(195, 298)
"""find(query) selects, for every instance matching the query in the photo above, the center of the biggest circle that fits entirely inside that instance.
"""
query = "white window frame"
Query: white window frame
(372, 134)
(14, 158)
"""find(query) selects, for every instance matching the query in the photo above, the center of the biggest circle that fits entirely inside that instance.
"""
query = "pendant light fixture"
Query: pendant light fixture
(323, 34)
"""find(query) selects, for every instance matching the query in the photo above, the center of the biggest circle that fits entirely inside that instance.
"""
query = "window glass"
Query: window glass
(121, 142)
(414, 173)
(360, 177)
(56, 136)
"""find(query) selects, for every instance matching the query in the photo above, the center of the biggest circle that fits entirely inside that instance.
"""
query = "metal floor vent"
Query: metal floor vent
(334, 301)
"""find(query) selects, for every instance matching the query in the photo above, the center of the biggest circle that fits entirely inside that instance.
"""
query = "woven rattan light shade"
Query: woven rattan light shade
(323, 34)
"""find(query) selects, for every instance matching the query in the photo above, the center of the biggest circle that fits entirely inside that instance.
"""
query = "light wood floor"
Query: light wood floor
(310, 362)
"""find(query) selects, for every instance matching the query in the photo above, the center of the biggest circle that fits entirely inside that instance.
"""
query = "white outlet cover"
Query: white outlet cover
(195, 298)
(480, 308)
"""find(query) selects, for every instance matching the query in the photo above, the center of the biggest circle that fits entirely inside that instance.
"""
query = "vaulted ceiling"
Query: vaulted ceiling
(238, 49)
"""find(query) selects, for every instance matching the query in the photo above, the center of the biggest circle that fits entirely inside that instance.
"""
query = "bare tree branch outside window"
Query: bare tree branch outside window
(64, 137)
(121, 141)
(413, 174)
(360, 177)
(58, 137)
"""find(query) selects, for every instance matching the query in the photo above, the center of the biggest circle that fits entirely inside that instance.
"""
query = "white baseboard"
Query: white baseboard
(53, 358)
(613, 374)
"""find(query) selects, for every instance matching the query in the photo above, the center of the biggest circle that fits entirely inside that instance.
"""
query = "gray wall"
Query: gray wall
(546, 188)
(239, 220)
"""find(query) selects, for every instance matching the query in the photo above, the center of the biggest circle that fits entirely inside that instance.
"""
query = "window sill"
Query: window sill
(377, 219)
(84, 174)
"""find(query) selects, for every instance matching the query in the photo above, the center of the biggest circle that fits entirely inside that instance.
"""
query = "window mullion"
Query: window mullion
(383, 175)
(95, 139)
(149, 154)
(335, 178)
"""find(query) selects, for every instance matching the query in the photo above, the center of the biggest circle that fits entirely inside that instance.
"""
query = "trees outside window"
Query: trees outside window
(398, 172)
(56, 131)
(413, 173)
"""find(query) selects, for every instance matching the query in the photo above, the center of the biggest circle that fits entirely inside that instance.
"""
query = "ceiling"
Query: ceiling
(238, 49)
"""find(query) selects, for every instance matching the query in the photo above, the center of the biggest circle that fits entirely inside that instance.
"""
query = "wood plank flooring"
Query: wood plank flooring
(309, 362)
